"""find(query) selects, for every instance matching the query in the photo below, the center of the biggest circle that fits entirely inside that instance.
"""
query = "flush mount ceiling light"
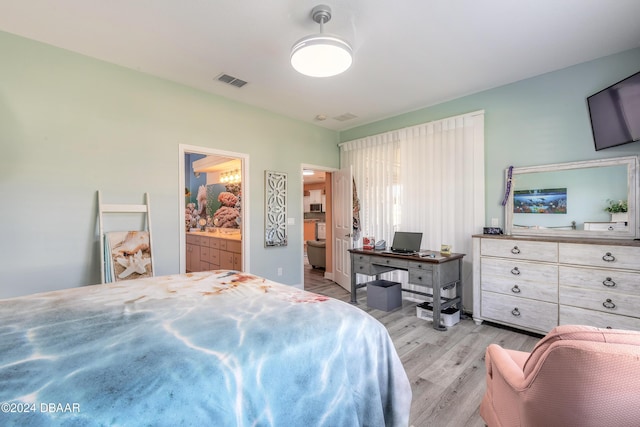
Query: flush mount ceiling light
(321, 55)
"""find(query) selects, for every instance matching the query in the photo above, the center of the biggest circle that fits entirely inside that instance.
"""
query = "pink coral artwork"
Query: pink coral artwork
(227, 216)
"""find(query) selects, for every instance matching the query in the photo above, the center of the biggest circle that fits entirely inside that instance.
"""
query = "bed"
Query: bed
(219, 348)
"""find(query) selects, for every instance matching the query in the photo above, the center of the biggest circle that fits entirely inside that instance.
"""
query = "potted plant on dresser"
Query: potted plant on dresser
(618, 210)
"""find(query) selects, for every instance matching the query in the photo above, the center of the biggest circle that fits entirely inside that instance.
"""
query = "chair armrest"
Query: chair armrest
(505, 380)
(507, 364)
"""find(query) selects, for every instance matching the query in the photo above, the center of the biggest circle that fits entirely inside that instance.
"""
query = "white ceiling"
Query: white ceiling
(409, 54)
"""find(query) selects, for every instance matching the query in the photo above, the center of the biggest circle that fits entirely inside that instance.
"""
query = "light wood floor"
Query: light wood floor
(446, 369)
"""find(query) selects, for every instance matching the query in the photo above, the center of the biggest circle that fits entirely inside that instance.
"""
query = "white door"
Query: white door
(342, 226)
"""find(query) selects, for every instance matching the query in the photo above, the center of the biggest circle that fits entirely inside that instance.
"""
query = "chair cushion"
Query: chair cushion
(579, 333)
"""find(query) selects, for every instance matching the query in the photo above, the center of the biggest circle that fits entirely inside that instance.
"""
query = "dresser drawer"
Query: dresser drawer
(606, 301)
(520, 249)
(530, 314)
(520, 278)
(580, 316)
(621, 282)
(608, 256)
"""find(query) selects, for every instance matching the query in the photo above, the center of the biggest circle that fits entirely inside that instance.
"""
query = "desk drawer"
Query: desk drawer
(360, 259)
(530, 314)
(421, 277)
(361, 264)
(424, 266)
(390, 262)
(361, 267)
(369, 265)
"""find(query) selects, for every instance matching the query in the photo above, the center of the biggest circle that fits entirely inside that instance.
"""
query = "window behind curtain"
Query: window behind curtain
(427, 178)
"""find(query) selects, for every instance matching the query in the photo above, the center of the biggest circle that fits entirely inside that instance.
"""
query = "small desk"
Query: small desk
(437, 272)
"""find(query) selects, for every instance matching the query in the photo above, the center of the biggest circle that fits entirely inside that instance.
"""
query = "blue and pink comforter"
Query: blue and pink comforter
(217, 348)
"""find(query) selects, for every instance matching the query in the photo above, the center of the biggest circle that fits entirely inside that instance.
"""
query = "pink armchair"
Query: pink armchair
(575, 376)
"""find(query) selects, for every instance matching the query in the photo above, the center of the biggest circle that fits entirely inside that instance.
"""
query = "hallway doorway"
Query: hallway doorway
(317, 219)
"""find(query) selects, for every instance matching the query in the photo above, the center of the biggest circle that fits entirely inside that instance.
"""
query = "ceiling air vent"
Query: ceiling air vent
(233, 81)
(344, 117)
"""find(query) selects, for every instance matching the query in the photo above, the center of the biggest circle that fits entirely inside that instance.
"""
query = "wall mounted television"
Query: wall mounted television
(615, 113)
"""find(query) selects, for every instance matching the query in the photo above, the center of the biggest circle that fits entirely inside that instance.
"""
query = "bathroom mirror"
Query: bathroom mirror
(570, 199)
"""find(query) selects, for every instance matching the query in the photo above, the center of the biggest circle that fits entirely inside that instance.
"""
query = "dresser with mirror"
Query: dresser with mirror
(563, 258)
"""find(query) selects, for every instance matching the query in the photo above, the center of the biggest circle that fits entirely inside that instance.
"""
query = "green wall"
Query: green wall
(71, 125)
(536, 121)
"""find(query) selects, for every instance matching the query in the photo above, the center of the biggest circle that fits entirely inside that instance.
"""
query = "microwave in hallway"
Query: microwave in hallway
(316, 207)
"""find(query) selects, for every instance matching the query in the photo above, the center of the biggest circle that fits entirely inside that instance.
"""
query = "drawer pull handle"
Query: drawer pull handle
(608, 257)
(515, 312)
(515, 250)
(515, 271)
(515, 289)
(609, 283)
(608, 304)
(420, 278)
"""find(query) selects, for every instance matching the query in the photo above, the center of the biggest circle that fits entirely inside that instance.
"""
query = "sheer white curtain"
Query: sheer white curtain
(427, 178)
(375, 165)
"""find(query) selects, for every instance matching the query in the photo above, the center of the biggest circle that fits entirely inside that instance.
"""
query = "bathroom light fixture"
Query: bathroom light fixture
(321, 55)
(307, 172)
(230, 176)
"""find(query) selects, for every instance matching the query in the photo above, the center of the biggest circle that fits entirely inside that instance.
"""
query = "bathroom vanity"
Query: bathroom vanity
(210, 250)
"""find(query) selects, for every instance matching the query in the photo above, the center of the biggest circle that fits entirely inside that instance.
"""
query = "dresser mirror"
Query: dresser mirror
(570, 199)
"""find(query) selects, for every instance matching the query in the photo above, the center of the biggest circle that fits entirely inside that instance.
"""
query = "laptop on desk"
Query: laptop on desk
(406, 243)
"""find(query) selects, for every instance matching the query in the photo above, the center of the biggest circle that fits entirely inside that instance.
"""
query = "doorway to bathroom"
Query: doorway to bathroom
(214, 206)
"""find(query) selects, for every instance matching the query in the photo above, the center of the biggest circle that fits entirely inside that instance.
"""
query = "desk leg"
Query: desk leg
(436, 300)
(353, 283)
